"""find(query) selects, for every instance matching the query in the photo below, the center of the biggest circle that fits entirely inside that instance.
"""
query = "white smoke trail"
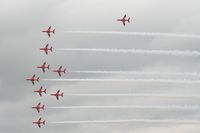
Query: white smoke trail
(138, 33)
(127, 80)
(135, 51)
(138, 72)
(132, 95)
(185, 107)
(128, 121)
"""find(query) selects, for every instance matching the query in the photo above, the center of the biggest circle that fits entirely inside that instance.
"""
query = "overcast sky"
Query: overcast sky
(21, 37)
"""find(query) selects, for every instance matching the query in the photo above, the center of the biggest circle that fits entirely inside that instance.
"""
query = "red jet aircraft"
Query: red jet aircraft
(43, 67)
(46, 49)
(40, 91)
(49, 31)
(57, 94)
(39, 122)
(38, 107)
(33, 79)
(123, 20)
(59, 71)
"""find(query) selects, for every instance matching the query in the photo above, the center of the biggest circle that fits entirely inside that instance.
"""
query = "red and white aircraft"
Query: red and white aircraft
(40, 91)
(33, 79)
(46, 49)
(123, 20)
(49, 31)
(39, 122)
(38, 107)
(43, 67)
(59, 71)
(57, 94)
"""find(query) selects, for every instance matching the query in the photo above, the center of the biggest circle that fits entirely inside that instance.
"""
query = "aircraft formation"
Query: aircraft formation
(45, 68)
(60, 70)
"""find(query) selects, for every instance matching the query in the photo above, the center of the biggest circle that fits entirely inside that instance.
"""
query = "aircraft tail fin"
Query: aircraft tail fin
(45, 91)
(62, 94)
(128, 20)
(64, 71)
(51, 49)
(54, 31)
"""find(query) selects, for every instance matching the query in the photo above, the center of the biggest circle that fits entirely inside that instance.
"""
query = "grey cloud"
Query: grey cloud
(21, 23)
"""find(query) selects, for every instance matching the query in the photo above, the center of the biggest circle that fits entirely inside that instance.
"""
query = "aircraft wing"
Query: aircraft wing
(49, 34)
(59, 74)
(39, 125)
(41, 88)
(33, 82)
(38, 110)
(124, 16)
(40, 94)
(47, 46)
(49, 28)
(60, 68)
(43, 69)
(124, 23)
(57, 97)
(46, 51)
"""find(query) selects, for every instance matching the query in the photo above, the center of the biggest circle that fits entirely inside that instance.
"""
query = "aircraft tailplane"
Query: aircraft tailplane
(38, 79)
(48, 67)
(43, 122)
